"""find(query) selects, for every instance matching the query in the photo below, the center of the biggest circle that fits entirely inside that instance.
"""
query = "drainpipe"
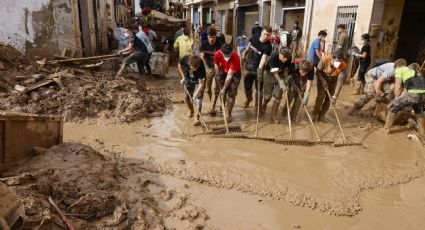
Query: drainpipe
(307, 28)
(235, 20)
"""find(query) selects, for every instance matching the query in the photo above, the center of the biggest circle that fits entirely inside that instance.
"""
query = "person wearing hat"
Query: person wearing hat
(256, 30)
(330, 76)
(241, 44)
(364, 61)
(278, 71)
(228, 66)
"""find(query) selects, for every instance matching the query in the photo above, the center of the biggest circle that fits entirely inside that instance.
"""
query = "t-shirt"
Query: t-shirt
(275, 64)
(365, 62)
(184, 43)
(144, 38)
(138, 45)
(243, 43)
(386, 70)
(312, 57)
(285, 38)
(342, 43)
(256, 51)
(326, 66)
(192, 76)
(405, 73)
(234, 62)
(296, 33)
(256, 31)
(209, 51)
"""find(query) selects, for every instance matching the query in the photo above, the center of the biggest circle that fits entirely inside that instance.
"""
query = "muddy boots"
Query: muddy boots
(212, 111)
(122, 70)
(389, 122)
(264, 107)
(356, 108)
(248, 99)
(229, 108)
(273, 115)
(190, 106)
(421, 124)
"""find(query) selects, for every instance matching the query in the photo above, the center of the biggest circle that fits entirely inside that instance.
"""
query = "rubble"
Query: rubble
(75, 93)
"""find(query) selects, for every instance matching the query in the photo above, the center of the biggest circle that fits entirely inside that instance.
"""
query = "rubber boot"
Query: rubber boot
(389, 122)
(196, 121)
(357, 84)
(190, 106)
(229, 108)
(212, 111)
(361, 91)
(421, 124)
(122, 70)
(354, 110)
(248, 99)
(273, 114)
(264, 107)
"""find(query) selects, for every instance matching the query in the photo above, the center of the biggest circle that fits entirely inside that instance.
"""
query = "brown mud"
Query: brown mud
(77, 94)
(333, 181)
(100, 191)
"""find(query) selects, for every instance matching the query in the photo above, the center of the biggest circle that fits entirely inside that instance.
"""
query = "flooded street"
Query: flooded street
(254, 184)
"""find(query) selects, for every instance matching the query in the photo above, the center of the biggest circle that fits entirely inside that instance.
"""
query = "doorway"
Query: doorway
(411, 35)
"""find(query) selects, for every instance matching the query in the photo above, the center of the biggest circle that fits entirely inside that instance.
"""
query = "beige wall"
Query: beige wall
(324, 16)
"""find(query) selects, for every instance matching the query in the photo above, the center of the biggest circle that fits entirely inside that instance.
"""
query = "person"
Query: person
(145, 39)
(364, 62)
(208, 49)
(414, 84)
(119, 34)
(299, 88)
(220, 36)
(256, 30)
(227, 65)
(215, 26)
(330, 77)
(184, 43)
(192, 73)
(204, 35)
(342, 41)
(296, 34)
(258, 51)
(179, 32)
(278, 70)
(285, 37)
(315, 52)
(137, 50)
(379, 84)
(241, 44)
(275, 41)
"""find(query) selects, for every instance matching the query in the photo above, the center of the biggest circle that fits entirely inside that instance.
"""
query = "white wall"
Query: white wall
(324, 16)
(38, 27)
(19, 27)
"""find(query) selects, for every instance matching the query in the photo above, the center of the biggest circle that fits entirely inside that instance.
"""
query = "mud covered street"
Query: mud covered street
(252, 184)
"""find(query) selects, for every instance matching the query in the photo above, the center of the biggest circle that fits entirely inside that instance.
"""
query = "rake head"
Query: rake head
(294, 142)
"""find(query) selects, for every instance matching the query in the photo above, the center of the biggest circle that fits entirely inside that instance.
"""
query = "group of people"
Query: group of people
(268, 64)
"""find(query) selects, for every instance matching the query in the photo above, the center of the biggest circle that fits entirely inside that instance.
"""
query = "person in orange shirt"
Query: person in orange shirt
(330, 75)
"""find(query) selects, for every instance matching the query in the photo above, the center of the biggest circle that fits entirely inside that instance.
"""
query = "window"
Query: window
(346, 15)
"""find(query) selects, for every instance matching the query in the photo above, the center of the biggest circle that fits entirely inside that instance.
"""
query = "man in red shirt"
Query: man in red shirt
(228, 66)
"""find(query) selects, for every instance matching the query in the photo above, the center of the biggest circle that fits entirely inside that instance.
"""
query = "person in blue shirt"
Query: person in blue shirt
(315, 52)
(242, 42)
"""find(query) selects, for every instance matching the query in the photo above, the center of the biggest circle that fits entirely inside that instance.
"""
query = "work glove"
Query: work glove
(223, 91)
(305, 98)
(353, 53)
(333, 100)
(282, 85)
(260, 74)
(183, 81)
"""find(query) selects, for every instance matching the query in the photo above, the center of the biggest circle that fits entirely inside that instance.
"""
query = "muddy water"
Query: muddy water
(346, 181)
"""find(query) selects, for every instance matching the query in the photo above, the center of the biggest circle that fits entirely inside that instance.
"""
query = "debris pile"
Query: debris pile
(95, 191)
(74, 93)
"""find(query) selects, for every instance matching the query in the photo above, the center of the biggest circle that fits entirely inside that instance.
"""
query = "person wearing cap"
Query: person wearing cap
(258, 51)
(207, 51)
(364, 60)
(227, 65)
(256, 30)
(278, 70)
(330, 75)
(241, 44)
